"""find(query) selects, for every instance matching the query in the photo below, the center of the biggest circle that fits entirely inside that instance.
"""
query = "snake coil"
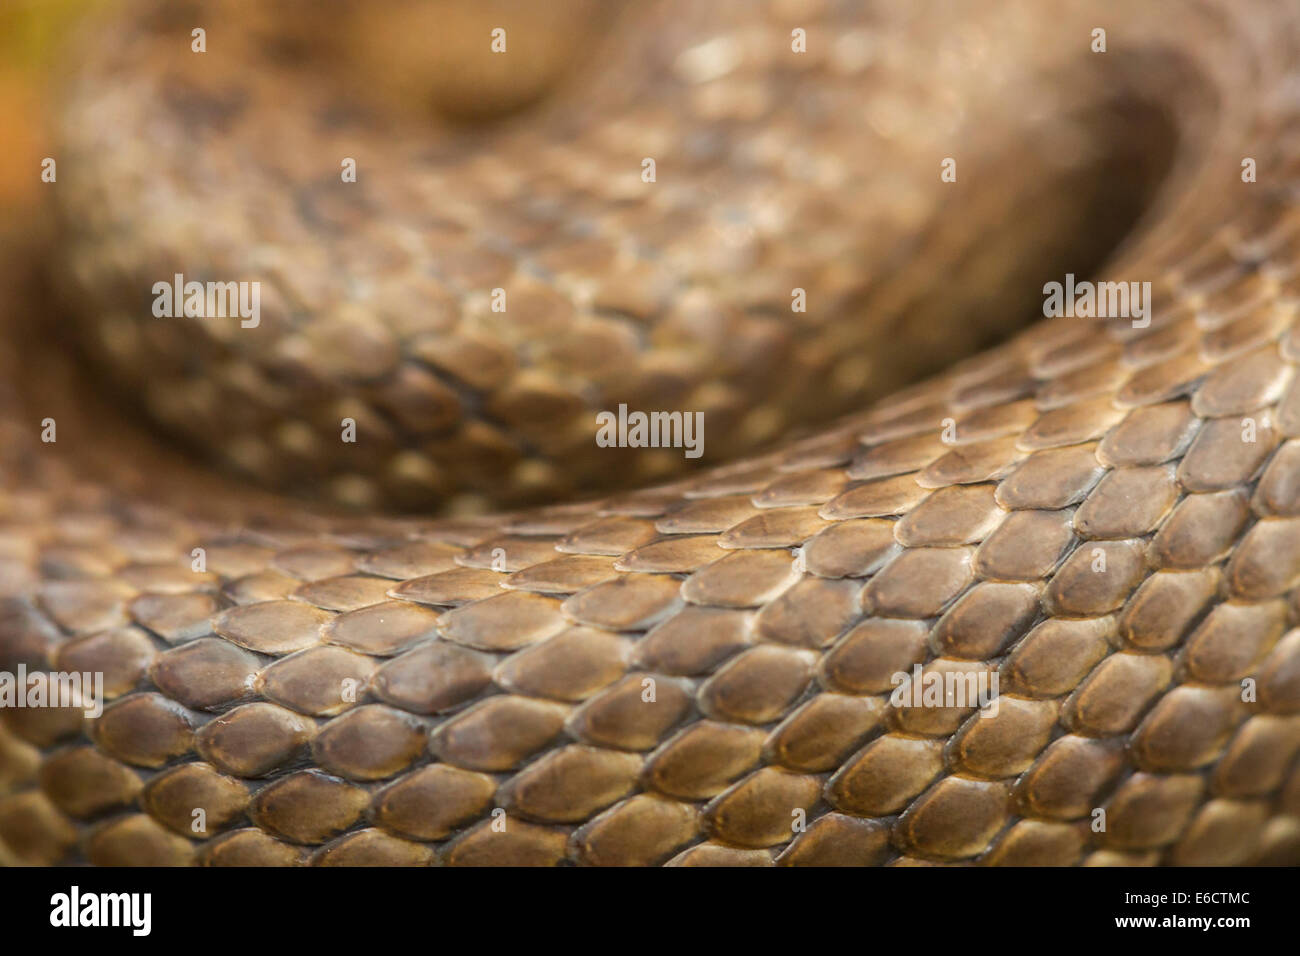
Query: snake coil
(1098, 518)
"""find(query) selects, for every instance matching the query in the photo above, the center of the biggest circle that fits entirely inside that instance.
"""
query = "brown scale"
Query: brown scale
(657, 676)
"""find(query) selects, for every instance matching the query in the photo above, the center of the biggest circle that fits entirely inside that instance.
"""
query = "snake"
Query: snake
(352, 580)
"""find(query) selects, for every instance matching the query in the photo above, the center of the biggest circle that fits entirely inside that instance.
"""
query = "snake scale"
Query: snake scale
(322, 651)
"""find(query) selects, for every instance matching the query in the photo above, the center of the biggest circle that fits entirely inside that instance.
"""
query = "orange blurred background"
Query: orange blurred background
(31, 35)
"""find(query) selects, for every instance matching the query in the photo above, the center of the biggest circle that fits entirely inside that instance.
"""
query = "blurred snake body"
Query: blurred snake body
(329, 646)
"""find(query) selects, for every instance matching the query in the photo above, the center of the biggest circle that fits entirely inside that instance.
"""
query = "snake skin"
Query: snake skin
(1105, 516)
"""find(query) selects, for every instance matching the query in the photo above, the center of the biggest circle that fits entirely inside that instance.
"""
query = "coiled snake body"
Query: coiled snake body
(1102, 514)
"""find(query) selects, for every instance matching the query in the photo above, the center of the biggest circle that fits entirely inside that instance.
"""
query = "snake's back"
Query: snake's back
(1099, 520)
